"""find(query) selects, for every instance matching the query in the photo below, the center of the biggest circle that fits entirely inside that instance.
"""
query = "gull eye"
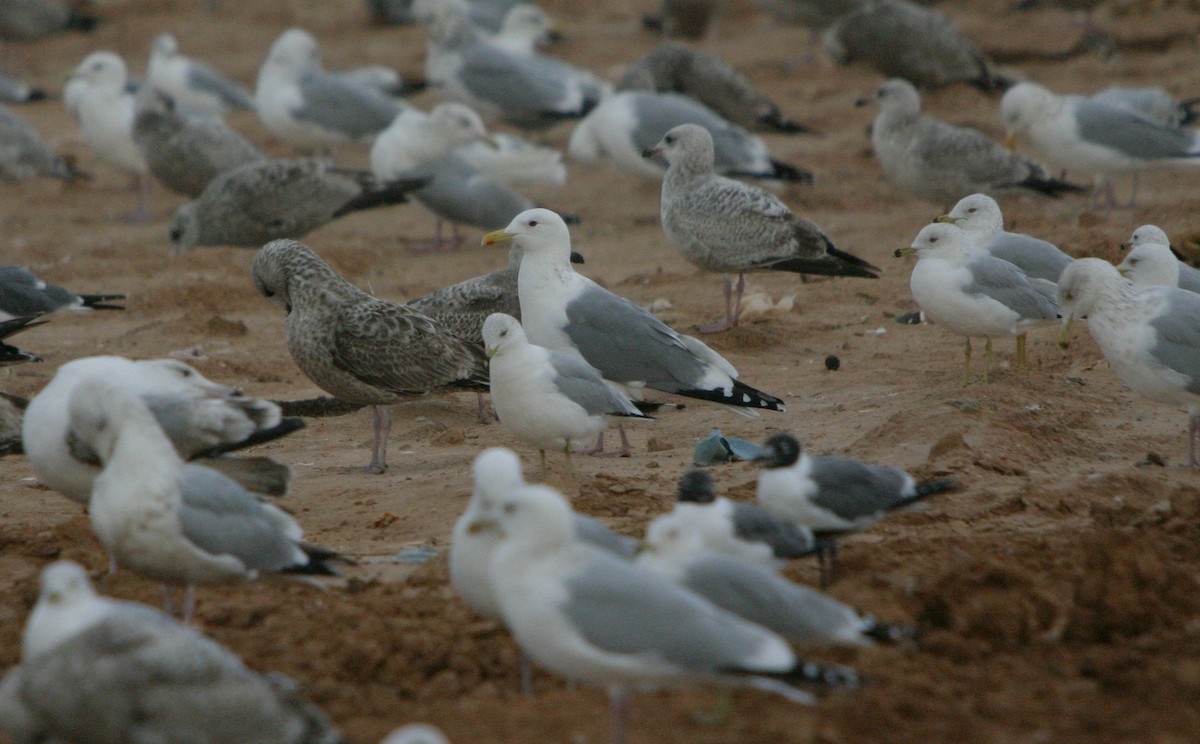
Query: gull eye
(1133, 262)
(669, 140)
(972, 210)
(933, 240)
(533, 223)
(503, 333)
(510, 508)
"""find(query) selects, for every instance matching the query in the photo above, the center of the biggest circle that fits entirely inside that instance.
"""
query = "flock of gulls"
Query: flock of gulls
(153, 449)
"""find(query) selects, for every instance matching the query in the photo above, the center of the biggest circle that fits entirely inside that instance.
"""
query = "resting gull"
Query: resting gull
(185, 153)
(306, 106)
(939, 162)
(9, 354)
(628, 122)
(357, 347)
(1082, 135)
(1188, 276)
(974, 294)
(203, 420)
(23, 293)
(565, 311)
(13, 90)
(107, 671)
(726, 226)
(590, 616)
(979, 216)
(1150, 337)
(193, 83)
(171, 522)
(27, 20)
(259, 202)
(550, 399)
(1154, 104)
(832, 495)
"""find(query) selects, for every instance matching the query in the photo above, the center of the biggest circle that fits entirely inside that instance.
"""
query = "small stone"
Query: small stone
(832, 363)
(658, 444)
(966, 405)
(617, 488)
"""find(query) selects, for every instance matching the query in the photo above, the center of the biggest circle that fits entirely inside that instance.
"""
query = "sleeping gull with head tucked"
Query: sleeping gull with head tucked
(1150, 336)
(974, 294)
(979, 216)
(726, 226)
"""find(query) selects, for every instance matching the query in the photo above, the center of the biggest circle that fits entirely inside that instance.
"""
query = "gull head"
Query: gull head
(103, 71)
(781, 451)
(977, 213)
(671, 537)
(496, 471)
(501, 331)
(535, 515)
(896, 97)
(295, 50)
(1150, 265)
(165, 45)
(1147, 234)
(1082, 284)
(66, 605)
(528, 22)
(535, 231)
(688, 145)
(185, 229)
(939, 240)
(1022, 105)
(696, 487)
(173, 377)
(457, 123)
(280, 264)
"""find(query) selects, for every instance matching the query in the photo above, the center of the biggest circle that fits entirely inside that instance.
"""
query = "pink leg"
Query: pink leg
(382, 426)
(484, 418)
(618, 706)
(737, 300)
(722, 325)
(189, 604)
(1193, 435)
(598, 449)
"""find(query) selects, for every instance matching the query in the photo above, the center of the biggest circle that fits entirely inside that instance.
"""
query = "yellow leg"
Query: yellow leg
(570, 466)
(987, 361)
(1021, 352)
(967, 362)
(542, 459)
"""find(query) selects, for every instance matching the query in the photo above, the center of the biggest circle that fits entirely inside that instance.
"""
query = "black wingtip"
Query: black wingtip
(931, 487)
(647, 406)
(570, 219)
(320, 561)
(97, 302)
(1051, 187)
(889, 632)
(823, 675)
(82, 22)
(777, 122)
(742, 396)
(791, 173)
(15, 325)
(1190, 115)
(37, 94)
(386, 194)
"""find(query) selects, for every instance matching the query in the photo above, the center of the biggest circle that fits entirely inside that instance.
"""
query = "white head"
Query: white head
(497, 471)
(527, 22)
(977, 213)
(1023, 104)
(416, 733)
(1084, 283)
(1147, 234)
(536, 232)
(1150, 265)
(898, 97)
(66, 606)
(294, 51)
(533, 515)
(502, 332)
(171, 375)
(940, 240)
(686, 147)
(165, 45)
(102, 71)
(672, 538)
(457, 123)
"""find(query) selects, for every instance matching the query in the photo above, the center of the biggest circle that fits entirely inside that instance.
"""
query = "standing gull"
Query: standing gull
(626, 123)
(185, 153)
(357, 347)
(259, 202)
(939, 162)
(551, 399)
(1154, 104)
(979, 216)
(9, 354)
(306, 106)
(592, 617)
(194, 84)
(727, 226)
(23, 154)
(1151, 336)
(175, 523)
(1082, 135)
(833, 495)
(565, 311)
(975, 294)
(1151, 265)
(1189, 276)
(107, 671)
(23, 293)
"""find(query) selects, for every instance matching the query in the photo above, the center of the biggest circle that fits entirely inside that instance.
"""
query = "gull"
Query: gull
(105, 112)
(1151, 265)
(979, 216)
(939, 162)
(9, 354)
(203, 420)
(550, 399)
(677, 68)
(27, 20)
(525, 27)
(185, 153)
(106, 671)
(726, 226)
(738, 529)
(357, 347)
(262, 201)
(1150, 337)
(304, 105)
(416, 733)
(626, 123)
(1076, 133)
(1188, 277)
(194, 84)
(974, 294)
(832, 496)
(23, 154)
(1154, 104)
(171, 522)
(674, 550)
(567, 312)
(23, 293)
(592, 617)
(13, 90)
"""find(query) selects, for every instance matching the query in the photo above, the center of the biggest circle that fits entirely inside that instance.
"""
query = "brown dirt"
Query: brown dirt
(1058, 588)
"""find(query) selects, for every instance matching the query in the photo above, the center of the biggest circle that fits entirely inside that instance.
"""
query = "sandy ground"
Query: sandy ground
(1057, 589)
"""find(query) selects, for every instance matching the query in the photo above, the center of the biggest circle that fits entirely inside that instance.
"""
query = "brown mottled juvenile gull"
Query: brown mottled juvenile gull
(726, 226)
(175, 523)
(940, 162)
(357, 347)
(904, 40)
(678, 68)
(185, 153)
(259, 202)
(1150, 336)
(980, 217)
(108, 671)
(194, 84)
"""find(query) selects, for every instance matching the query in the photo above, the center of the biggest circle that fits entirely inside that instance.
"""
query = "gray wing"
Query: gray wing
(348, 109)
(522, 86)
(628, 344)
(1178, 328)
(1154, 104)
(1005, 283)
(1039, 259)
(23, 155)
(196, 424)
(582, 383)
(1189, 278)
(758, 594)
(461, 193)
(206, 79)
(622, 609)
(736, 150)
(222, 518)
(1130, 134)
(853, 490)
(594, 532)
(786, 540)
(22, 293)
